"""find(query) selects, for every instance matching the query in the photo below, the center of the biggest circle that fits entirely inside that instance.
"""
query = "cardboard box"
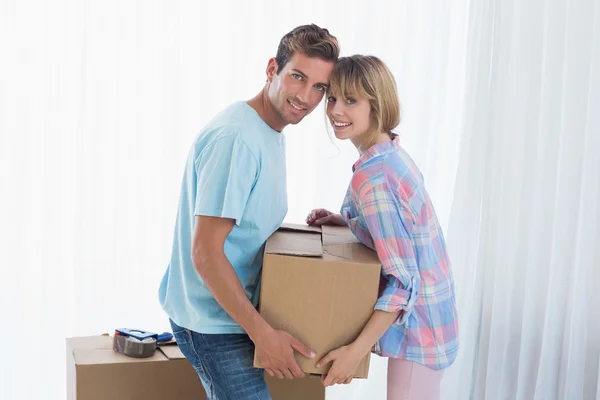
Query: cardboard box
(96, 372)
(320, 285)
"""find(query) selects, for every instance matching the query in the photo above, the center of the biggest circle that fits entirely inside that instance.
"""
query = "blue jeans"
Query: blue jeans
(224, 363)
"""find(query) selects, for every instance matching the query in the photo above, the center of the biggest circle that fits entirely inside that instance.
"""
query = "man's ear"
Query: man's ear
(271, 69)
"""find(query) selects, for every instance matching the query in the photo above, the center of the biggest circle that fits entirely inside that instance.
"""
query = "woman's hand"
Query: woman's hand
(321, 216)
(346, 360)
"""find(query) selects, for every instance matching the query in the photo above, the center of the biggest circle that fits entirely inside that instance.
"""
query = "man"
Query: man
(233, 197)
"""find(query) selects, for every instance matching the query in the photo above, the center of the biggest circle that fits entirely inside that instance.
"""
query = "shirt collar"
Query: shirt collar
(377, 150)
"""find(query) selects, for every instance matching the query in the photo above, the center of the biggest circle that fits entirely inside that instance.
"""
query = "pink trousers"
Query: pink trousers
(409, 380)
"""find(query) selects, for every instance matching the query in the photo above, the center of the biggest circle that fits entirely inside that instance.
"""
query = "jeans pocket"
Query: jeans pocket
(181, 335)
(183, 339)
(176, 328)
(185, 342)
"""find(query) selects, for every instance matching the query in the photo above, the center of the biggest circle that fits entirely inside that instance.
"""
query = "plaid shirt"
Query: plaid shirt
(388, 210)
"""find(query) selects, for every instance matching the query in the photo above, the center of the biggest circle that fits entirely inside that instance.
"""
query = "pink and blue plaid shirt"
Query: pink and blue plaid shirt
(388, 210)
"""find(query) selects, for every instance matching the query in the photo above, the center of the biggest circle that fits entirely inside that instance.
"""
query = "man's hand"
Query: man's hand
(321, 216)
(275, 350)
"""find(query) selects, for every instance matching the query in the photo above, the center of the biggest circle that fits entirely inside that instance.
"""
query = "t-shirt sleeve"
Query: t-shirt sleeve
(226, 171)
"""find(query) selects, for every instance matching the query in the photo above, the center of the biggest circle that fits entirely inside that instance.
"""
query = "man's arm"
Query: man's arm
(275, 348)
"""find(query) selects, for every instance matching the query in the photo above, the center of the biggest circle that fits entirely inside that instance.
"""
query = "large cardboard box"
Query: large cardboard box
(96, 372)
(320, 285)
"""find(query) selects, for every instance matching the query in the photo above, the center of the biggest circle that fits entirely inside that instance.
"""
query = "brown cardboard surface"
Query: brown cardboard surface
(295, 243)
(337, 235)
(171, 351)
(94, 374)
(299, 228)
(324, 301)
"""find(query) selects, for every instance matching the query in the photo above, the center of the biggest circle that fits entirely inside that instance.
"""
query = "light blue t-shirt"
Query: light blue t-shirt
(235, 169)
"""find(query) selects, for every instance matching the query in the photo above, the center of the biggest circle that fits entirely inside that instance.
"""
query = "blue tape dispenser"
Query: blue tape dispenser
(138, 343)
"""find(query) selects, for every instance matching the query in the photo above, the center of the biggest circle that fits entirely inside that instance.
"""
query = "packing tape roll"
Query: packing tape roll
(134, 347)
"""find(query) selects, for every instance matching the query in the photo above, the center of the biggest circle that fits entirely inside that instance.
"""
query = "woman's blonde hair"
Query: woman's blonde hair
(368, 77)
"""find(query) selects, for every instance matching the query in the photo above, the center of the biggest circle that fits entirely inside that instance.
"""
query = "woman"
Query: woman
(415, 322)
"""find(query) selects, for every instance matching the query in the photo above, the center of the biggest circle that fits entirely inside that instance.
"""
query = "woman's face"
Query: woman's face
(349, 116)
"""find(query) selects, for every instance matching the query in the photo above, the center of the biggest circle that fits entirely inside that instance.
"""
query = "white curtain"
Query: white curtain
(524, 227)
(100, 101)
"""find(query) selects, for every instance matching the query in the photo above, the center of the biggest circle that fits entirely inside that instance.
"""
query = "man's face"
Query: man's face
(299, 86)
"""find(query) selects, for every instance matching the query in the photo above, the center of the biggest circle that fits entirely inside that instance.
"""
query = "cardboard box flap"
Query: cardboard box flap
(337, 235)
(353, 252)
(296, 240)
(171, 351)
(98, 350)
(299, 228)
(331, 242)
(341, 244)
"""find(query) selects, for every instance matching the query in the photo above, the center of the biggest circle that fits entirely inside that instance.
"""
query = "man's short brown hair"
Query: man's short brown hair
(309, 40)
